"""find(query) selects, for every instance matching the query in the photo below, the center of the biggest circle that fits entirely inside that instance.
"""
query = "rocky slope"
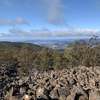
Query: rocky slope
(79, 83)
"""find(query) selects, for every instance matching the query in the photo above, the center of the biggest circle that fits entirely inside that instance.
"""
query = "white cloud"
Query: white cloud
(54, 11)
(18, 32)
(17, 21)
(32, 33)
(20, 21)
(48, 33)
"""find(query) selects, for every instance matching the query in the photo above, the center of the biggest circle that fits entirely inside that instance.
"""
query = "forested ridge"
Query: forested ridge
(29, 56)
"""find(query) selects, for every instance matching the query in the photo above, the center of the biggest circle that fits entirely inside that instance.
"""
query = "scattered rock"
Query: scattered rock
(79, 83)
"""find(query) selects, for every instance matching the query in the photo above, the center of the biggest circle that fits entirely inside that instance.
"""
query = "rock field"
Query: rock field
(81, 83)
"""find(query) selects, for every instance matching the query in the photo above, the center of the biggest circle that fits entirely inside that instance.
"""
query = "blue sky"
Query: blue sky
(49, 18)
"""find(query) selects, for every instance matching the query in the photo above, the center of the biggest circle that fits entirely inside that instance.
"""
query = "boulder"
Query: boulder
(54, 94)
(72, 81)
(26, 97)
(63, 92)
(20, 82)
(94, 95)
(41, 93)
(77, 93)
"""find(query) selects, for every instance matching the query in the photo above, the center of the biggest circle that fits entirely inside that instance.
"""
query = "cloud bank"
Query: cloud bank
(51, 34)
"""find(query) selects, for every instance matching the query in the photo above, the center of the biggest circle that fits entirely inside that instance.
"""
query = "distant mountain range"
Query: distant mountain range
(54, 43)
(59, 43)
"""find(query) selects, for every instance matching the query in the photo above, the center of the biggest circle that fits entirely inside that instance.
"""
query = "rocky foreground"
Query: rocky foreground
(79, 83)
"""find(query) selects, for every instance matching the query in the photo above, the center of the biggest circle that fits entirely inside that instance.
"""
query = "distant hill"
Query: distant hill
(26, 54)
(6, 44)
(18, 50)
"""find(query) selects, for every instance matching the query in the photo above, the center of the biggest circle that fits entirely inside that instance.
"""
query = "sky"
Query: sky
(29, 19)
